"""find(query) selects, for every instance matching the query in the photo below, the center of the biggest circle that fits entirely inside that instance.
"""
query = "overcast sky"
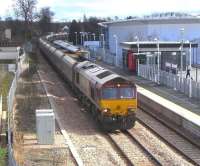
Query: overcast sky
(75, 9)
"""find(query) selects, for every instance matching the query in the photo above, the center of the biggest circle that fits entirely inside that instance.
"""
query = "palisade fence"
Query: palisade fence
(10, 102)
(170, 80)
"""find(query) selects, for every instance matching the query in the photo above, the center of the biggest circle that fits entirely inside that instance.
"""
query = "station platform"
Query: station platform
(178, 98)
(174, 105)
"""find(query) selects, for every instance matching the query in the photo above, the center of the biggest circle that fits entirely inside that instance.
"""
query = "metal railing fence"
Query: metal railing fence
(10, 103)
(187, 86)
(11, 95)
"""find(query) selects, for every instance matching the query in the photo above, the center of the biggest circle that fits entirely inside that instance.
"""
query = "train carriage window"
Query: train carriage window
(77, 78)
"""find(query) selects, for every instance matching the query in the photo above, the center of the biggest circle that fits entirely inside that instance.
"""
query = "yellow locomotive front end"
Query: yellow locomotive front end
(118, 104)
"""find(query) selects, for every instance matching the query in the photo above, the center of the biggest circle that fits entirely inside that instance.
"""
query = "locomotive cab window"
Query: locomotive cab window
(127, 92)
(109, 93)
(118, 93)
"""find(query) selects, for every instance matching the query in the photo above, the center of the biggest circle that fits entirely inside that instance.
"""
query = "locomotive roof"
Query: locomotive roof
(66, 46)
(58, 52)
(92, 71)
(96, 73)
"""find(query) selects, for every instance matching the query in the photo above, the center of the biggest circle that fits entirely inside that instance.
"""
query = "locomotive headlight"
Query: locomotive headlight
(106, 110)
(131, 109)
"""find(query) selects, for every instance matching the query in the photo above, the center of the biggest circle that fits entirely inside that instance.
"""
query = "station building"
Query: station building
(165, 29)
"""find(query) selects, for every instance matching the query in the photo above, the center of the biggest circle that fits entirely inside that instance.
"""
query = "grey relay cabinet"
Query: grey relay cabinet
(45, 126)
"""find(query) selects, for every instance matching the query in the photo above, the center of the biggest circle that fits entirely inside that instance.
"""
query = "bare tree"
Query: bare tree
(45, 19)
(25, 9)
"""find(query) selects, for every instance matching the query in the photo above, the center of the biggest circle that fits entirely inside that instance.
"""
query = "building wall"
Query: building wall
(171, 32)
(124, 33)
(8, 34)
(150, 31)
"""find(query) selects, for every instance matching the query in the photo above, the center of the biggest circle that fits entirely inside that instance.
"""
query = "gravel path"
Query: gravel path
(30, 96)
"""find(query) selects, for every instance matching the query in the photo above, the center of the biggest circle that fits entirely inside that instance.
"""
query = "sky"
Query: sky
(75, 9)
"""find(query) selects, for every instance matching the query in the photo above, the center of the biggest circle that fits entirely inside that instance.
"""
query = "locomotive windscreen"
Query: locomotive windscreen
(118, 93)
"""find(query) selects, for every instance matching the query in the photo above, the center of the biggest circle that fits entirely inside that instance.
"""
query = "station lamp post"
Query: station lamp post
(102, 38)
(158, 59)
(86, 35)
(83, 40)
(103, 46)
(93, 36)
(67, 36)
(190, 68)
(182, 34)
(116, 49)
(138, 50)
(76, 37)
(81, 36)
(89, 34)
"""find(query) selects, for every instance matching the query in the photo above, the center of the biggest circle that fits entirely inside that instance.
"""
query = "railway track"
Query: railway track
(145, 149)
(181, 144)
(131, 150)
